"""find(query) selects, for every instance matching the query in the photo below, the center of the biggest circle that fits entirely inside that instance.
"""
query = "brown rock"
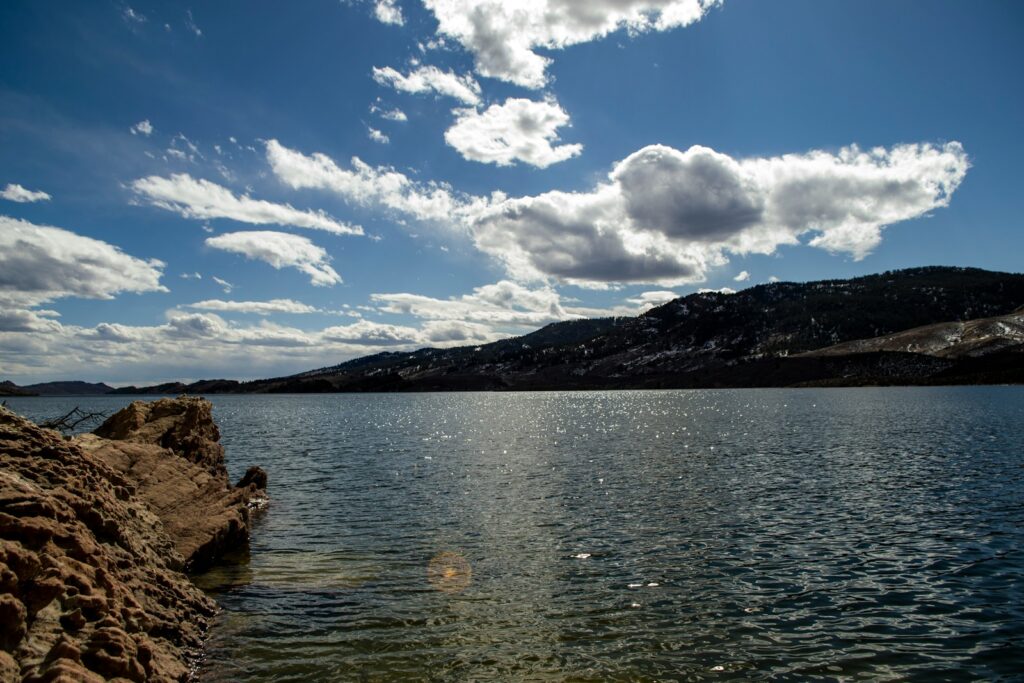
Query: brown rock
(8, 668)
(184, 425)
(169, 451)
(12, 621)
(255, 477)
(93, 536)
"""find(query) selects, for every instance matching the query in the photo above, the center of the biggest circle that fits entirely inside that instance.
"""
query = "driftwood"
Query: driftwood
(70, 421)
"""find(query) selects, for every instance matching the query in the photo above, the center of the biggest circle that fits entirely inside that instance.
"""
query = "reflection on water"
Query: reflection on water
(870, 534)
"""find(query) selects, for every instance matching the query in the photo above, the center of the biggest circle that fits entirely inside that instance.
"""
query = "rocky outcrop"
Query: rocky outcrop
(95, 533)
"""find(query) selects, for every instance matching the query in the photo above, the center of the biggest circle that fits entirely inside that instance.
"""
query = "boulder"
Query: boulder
(95, 534)
(169, 450)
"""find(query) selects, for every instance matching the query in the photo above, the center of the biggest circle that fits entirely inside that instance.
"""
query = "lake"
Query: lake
(834, 534)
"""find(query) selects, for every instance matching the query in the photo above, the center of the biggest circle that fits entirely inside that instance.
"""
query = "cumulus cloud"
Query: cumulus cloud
(257, 307)
(518, 130)
(378, 136)
(24, 320)
(388, 12)
(430, 79)
(742, 277)
(668, 216)
(16, 193)
(501, 303)
(143, 128)
(648, 300)
(503, 35)
(372, 333)
(40, 263)
(368, 186)
(432, 333)
(280, 250)
(507, 307)
(396, 115)
(203, 200)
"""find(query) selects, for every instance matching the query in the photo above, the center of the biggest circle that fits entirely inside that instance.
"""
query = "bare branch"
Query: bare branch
(70, 421)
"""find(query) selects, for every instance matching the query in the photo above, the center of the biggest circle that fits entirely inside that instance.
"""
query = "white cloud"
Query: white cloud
(432, 333)
(388, 12)
(503, 35)
(144, 128)
(184, 149)
(507, 307)
(190, 24)
(191, 276)
(648, 300)
(518, 130)
(372, 333)
(40, 263)
(202, 199)
(258, 307)
(501, 303)
(16, 193)
(773, 278)
(368, 186)
(378, 136)
(742, 277)
(395, 114)
(224, 284)
(667, 216)
(24, 320)
(133, 17)
(430, 79)
(280, 250)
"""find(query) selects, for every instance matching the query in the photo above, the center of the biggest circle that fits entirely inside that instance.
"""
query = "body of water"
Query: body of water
(838, 534)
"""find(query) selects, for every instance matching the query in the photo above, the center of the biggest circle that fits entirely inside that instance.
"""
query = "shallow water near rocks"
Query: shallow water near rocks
(838, 534)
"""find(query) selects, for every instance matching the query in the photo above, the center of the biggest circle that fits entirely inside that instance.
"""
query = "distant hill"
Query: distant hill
(757, 337)
(73, 388)
(206, 386)
(11, 389)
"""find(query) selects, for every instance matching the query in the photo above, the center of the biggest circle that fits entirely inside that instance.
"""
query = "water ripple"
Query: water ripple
(856, 534)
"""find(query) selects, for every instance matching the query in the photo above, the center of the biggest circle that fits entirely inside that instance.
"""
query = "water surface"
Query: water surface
(838, 534)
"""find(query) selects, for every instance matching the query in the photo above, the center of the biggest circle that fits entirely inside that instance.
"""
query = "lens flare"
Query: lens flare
(449, 572)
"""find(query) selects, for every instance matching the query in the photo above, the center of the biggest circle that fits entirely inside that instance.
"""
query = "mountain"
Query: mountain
(760, 336)
(9, 388)
(73, 388)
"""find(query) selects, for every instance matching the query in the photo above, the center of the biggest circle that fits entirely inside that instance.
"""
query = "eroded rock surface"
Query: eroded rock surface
(169, 448)
(94, 534)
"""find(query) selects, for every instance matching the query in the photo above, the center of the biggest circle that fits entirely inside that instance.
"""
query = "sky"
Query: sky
(253, 189)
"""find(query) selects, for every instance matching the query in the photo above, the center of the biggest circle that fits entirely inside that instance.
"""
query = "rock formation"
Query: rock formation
(95, 533)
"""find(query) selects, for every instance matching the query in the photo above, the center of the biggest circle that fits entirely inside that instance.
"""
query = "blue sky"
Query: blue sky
(389, 174)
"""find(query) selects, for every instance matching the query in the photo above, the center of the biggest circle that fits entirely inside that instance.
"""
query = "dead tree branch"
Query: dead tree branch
(70, 421)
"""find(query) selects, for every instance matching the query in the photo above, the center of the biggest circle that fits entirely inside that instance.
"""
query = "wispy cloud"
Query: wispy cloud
(280, 250)
(203, 200)
(430, 79)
